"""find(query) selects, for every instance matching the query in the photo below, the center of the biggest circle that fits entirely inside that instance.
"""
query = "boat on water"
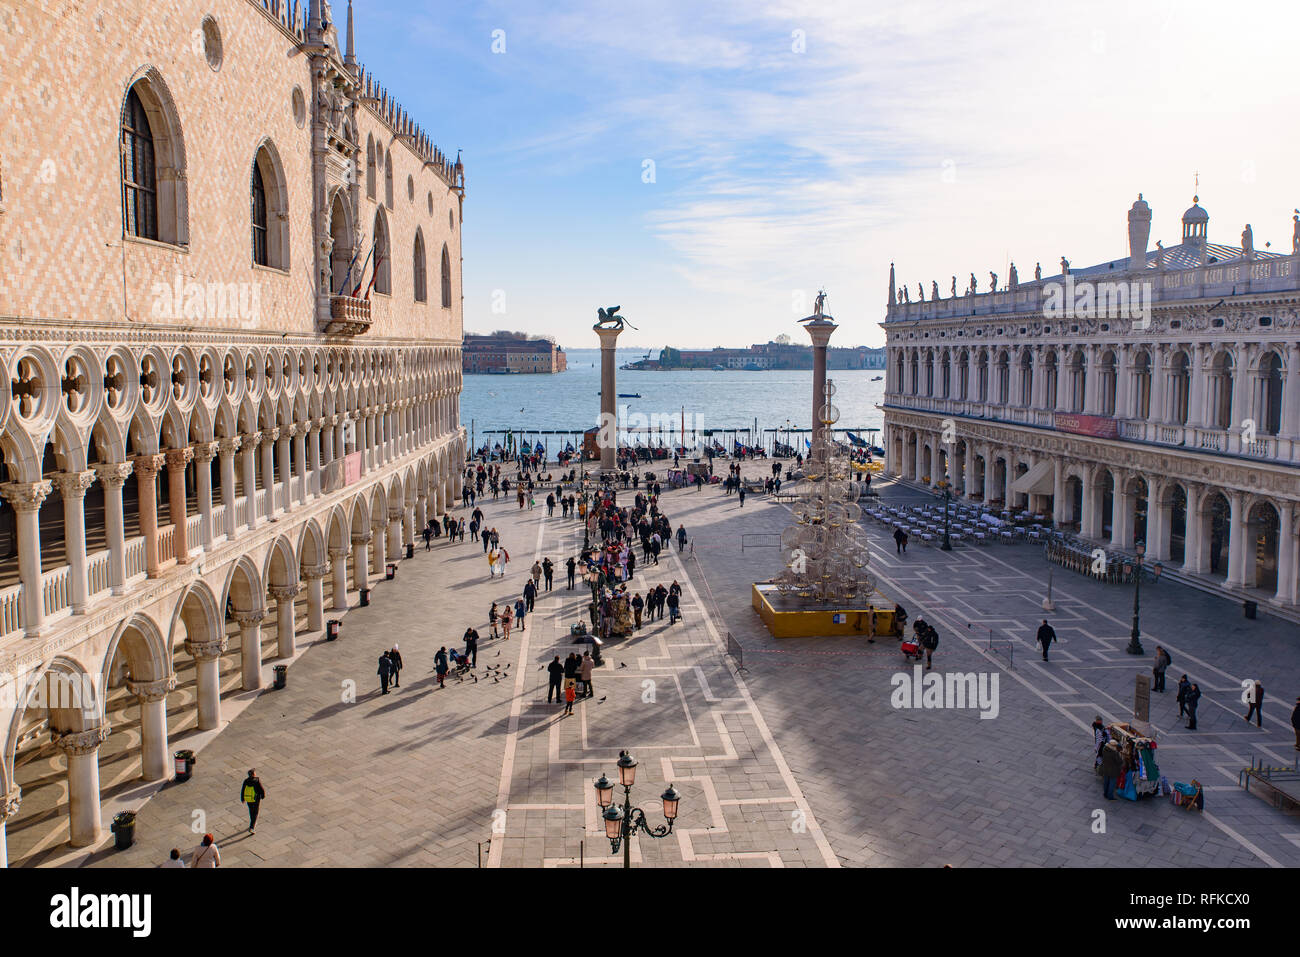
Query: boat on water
(627, 395)
(719, 368)
(876, 378)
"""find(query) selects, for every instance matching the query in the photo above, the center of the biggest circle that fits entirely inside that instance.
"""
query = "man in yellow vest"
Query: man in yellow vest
(251, 793)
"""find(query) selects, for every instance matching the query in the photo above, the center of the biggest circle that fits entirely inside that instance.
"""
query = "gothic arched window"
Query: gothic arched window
(259, 218)
(139, 176)
(417, 266)
(446, 278)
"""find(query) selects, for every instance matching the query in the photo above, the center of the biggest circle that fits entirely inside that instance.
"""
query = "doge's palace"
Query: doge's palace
(230, 316)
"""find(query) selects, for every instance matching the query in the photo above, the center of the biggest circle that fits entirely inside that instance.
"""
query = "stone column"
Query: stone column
(269, 438)
(204, 452)
(1286, 553)
(146, 481)
(394, 547)
(1121, 522)
(177, 460)
(314, 575)
(251, 442)
(25, 498)
(73, 486)
(1194, 544)
(300, 460)
(207, 655)
(1121, 410)
(250, 646)
(9, 804)
(227, 448)
(113, 476)
(1159, 517)
(819, 330)
(1236, 539)
(314, 483)
(421, 511)
(1058, 494)
(282, 444)
(339, 564)
(1291, 398)
(608, 432)
(82, 751)
(1090, 505)
(155, 761)
(285, 622)
(360, 562)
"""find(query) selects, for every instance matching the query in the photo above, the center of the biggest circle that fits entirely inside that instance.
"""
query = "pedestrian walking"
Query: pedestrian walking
(494, 616)
(570, 693)
(507, 620)
(637, 604)
(530, 596)
(492, 557)
(1046, 635)
(673, 603)
(537, 573)
(928, 637)
(681, 537)
(206, 854)
(174, 860)
(1255, 698)
(555, 687)
(471, 646)
(584, 672)
(395, 661)
(440, 665)
(741, 492)
(385, 672)
(1183, 687)
(1295, 723)
(900, 541)
(1193, 699)
(252, 793)
(521, 612)
(572, 567)
(1162, 662)
(548, 572)
(428, 537)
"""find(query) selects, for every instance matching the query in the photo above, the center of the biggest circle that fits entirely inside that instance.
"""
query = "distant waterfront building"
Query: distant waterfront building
(1154, 398)
(211, 434)
(766, 355)
(512, 354)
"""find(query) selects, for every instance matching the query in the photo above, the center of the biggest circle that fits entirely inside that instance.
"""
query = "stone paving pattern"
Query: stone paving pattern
(799, 760)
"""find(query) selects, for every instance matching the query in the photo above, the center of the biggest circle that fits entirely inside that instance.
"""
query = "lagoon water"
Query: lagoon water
(733, 399)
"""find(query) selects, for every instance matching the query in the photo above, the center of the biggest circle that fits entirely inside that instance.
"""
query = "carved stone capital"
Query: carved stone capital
(206, 650)
(251, 440)
(285, 592)
(177, 459)
(152, 690)
(114, 474)
(73, 484)
(82, 742)
(229, 445)
(148, 466)
(270, 435)
(10, 803)
(320, 571)
(251, 617)
(25, 496)
(340, 553)
(361, 539)
(204, 452)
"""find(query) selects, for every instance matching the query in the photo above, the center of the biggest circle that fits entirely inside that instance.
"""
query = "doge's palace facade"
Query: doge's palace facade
(1152, 399)
(230, 317)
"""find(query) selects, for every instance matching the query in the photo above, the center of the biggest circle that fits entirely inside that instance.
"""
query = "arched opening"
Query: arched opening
(1180, 379)
(1106, 383)
(1026, 378)
(1269, 401)
(269, 210)
(382, 274)
(1004, 378)
(1072, 507)
(1141, 400)
(344, 280)
(1177, 500)
(417, 268)
(1139, 490)
(1216, 514)
(1050, 378)
(154, 203)
(370, 167)
(446, 278)
(1221, 384)
(1259, 568)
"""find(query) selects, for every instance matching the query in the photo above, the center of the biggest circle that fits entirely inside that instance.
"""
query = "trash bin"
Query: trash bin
(365, 597)
(332, 629)
(410, 549)
(123, 828)
(281, 676)
(184, 765)
(1250, 608)
(390, 571)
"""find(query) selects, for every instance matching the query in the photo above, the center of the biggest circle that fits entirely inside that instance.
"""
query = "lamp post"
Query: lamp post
(622, 822)
(1134, 644)
(947, 497)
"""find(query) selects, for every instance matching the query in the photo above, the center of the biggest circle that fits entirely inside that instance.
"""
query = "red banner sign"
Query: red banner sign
(351, 468)
(1098, 426)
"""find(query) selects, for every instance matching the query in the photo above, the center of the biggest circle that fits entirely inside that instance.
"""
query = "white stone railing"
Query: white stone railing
(1212, 440)
(135, 560)
(11, 601)
(241, 511)
(166, 543)
(218, 521)
(193, 539)
(99, 572)
(56, 589)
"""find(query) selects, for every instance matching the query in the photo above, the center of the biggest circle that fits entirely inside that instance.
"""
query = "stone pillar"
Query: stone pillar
(607, 435)
(227, 448)
(204, 452)
(285, 623)
(339, 564)
(177, 460)
(1236, 538)
(82, 751)
(819, 330)
(251, 442)
(1121, 522)
(155, 761)
(314, 575)
(9, 804)
(1194, 544)
(250, 646)
(1291, 397)
(394, 547)
(146, 481)
(300, 461)
(113, 476)
(269, 438)
(1286, 553)
(378, 547)
(25, 498)
(1058, 494)
(1121, 410)
(207, 655)
(421, 511)
(72, 486)
(314, 483)
(282, 444)
(360, 562)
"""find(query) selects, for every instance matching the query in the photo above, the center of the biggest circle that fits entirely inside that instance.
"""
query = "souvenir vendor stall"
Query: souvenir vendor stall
(1141, 773)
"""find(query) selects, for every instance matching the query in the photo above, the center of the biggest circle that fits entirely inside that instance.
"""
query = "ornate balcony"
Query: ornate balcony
(349, 316)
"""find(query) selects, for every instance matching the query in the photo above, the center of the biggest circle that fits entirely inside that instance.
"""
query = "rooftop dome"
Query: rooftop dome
(1195, 214)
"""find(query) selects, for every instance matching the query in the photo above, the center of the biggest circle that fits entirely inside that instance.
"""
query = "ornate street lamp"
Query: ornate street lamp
(622, 822)
(1134, 644)
(947, 497)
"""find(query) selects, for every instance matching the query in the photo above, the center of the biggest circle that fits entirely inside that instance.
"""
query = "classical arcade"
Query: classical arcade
(1177, 425)
(234, 369)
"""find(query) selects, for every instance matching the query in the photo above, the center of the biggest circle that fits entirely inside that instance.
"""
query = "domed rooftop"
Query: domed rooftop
(1195, 214)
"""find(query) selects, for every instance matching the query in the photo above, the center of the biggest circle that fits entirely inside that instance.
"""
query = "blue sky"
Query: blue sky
(798, 145)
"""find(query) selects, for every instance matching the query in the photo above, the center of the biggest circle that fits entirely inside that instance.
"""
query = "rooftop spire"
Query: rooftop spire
(350, 57)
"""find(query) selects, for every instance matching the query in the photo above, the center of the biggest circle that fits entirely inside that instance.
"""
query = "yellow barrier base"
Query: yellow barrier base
(793, 618)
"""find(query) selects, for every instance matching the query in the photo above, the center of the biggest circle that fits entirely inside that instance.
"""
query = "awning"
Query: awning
(1039, 480)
